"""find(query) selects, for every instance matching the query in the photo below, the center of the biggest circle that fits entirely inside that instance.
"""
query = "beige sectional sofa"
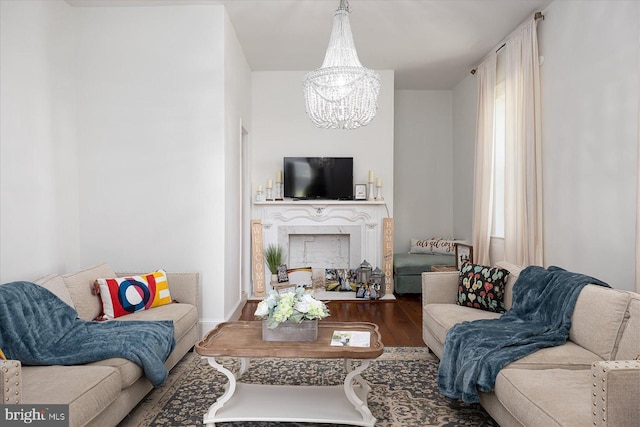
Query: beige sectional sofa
(103, 393)
(593, 379)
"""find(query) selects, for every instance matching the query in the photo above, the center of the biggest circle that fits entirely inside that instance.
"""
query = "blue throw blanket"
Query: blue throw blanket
(474, 352)
(38, 328)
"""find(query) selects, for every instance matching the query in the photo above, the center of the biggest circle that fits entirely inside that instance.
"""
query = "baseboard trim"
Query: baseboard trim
(209, 324)
(237, 312)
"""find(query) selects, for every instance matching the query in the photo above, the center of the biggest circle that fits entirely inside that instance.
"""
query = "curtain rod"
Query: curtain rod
(538, 15)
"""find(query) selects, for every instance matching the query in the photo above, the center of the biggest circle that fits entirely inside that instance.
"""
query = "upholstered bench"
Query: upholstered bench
(408, 268)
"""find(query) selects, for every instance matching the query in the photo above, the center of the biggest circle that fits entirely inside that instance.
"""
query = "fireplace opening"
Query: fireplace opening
(319, 250)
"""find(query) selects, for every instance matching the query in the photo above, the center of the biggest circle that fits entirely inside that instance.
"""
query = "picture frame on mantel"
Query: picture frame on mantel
(360, 192)
(283, 276)
(464, 253)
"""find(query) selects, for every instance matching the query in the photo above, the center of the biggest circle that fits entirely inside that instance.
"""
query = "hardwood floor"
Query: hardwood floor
(399, 321)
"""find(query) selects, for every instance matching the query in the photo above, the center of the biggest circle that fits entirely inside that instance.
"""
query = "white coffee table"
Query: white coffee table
(340, 404)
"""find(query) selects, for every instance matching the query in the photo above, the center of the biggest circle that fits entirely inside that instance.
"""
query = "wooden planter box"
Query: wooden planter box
(307, 330)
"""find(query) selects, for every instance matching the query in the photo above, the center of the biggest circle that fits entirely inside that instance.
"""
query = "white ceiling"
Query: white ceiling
(431, 44)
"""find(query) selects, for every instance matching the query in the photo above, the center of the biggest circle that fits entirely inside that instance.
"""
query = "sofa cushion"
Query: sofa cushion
(184, 316)
(566, 356)
(129, 371)
(439, 318)
(629, 344)
(125, 295)
(598, 319)
(482, 287)
(415, 264)
(88, 390)
(80, 285)
(548, 397)
(514, 273)
(55, 283)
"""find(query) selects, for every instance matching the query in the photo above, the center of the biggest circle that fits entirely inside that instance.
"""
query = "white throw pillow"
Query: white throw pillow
(434, 246)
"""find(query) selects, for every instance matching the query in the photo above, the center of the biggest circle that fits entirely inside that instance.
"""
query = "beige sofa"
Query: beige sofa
(103, 393)
(592, 379)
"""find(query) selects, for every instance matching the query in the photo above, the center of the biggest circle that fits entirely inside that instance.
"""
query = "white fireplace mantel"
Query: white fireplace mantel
(360, 220)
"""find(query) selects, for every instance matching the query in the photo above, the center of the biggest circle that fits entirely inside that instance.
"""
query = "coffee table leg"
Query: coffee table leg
(230, 388)
(244, 365)
(348, 367)
(353, 377)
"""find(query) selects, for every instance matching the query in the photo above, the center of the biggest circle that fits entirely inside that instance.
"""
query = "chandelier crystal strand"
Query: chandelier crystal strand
(342, 93)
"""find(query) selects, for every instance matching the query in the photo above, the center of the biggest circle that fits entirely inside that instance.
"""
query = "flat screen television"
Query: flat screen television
(318, 177)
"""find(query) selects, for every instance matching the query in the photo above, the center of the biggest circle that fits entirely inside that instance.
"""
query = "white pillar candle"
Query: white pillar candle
(370, 176)
(260, 187)
(269, 184)
(279, 179)
(379, 182)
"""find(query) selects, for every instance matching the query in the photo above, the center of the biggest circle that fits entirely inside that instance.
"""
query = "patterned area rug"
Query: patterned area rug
(403, 381)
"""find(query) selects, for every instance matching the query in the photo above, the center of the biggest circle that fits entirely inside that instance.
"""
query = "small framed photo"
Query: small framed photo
(300, 276)
(283, 275)
(464, 253)
(284, 288)
(360, 192)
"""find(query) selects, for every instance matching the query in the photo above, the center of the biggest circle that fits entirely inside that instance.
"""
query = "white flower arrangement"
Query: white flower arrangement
(296, 307)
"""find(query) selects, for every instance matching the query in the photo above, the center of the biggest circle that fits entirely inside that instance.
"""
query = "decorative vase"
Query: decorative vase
(307, 330)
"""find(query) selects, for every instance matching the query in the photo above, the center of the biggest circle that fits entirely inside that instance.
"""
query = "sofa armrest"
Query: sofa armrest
(184, 287)
(439, 287)
(615, 397)
(11, 380)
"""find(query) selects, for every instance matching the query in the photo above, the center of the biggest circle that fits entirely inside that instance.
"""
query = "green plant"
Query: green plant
(273, 256)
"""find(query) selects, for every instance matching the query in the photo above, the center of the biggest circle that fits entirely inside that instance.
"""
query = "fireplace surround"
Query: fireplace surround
(324, 233)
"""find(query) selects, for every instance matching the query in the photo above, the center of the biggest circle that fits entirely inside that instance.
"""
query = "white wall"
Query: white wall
(151, 120)
(237, 75)
(281, 128)
(38, 201)
(465, 99)
(423, 184)
(590, 136)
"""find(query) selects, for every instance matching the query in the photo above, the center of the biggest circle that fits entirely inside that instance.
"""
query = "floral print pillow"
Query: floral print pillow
(482, 287)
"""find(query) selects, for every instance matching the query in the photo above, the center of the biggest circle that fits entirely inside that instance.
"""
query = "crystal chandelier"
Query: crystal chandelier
(342, 93)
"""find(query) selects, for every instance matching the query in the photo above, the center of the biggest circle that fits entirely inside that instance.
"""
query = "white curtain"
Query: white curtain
(483, 174)
(638, 213)
(523, 233)
(523, 168)
(638, 201)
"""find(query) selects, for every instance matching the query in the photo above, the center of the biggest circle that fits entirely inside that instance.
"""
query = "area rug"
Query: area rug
(403, 382)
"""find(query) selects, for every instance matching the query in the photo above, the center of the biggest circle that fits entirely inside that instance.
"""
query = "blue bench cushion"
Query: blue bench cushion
(415, 264)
